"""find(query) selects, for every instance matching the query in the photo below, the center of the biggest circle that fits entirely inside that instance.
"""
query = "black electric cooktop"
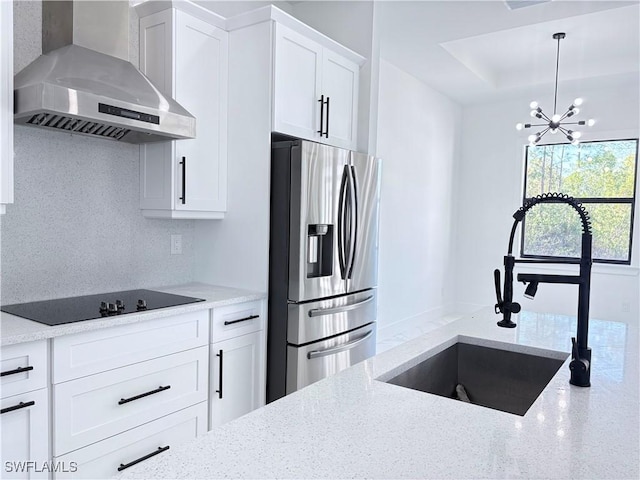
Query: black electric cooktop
(90, 307)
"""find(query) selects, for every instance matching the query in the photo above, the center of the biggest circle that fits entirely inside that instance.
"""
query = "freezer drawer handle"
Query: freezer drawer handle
(17, 370)
(142, 459)
(250, 317)
(17, 407)
(142, 395)
(340, 348)
(318, 312)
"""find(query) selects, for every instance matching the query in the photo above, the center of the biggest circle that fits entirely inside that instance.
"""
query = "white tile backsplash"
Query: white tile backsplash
(76, 228)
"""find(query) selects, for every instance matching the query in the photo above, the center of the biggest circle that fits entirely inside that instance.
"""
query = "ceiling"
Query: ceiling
(474, 51)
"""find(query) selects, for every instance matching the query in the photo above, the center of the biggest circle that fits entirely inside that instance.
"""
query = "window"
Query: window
(600, 175)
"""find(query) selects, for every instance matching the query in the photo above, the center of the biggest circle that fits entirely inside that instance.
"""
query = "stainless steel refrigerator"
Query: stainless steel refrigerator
(322, 262)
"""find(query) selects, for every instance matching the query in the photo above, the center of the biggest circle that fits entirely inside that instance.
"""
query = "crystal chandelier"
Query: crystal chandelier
(557, 121)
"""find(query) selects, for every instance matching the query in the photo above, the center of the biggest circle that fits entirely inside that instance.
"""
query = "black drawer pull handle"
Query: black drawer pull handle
(183, 198)
(142, 395)
(219, 391)
(142, 459)
(321, 114)
(250, 317)
(17, 407)
(17, 370)
(326, 134)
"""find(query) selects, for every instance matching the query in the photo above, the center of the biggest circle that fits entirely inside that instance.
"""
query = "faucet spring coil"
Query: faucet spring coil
(555, 197)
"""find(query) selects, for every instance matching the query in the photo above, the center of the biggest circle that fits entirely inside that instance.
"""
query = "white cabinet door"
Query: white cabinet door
(25, 435)
(297, 77)
(24, 367)
(340, 79)
(92, 408)
(116, 454)
(237, 377)
(315, 92)
(6, 105)
(186, 58)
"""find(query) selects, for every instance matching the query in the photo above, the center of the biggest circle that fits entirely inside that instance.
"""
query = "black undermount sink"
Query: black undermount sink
(493, 378)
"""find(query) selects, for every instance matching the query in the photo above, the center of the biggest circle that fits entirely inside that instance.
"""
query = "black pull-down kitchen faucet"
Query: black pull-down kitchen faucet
(580, 365)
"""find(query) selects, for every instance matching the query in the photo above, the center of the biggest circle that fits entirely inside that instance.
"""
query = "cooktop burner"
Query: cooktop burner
(90, 307)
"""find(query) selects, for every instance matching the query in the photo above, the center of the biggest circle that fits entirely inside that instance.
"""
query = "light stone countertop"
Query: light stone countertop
(14, 329)
(352, 425)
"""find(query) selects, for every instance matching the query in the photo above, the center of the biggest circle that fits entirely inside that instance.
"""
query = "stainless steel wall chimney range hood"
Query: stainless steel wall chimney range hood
(83, 82)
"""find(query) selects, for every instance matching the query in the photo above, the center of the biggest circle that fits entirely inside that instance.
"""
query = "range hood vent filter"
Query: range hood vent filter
(79, 126)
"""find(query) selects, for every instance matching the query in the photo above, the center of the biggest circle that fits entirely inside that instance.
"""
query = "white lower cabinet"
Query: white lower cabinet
(109, 457)
(125, 394)
(237, 377)
(25, 435)
(92, 408)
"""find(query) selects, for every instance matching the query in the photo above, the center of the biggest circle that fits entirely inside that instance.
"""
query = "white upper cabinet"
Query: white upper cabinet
(186, 58)
(315, 90)
(6, 104)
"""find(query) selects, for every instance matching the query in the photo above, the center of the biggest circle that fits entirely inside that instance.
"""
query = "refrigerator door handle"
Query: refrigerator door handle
(342, 204)
(318, 312)
(353, 190)
(340, 348)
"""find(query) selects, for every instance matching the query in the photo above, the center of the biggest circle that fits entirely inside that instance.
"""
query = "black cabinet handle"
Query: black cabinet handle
(17, 407)
(219, 391)
(324, 102)
(321, 114)
(183, 198)
(142, 459)
(142, 395)
(250, 317)
(326, 133)
(17, 370)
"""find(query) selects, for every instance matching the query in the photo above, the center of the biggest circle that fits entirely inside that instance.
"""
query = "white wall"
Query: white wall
(236, 7)
(418, 132)
(489, 191)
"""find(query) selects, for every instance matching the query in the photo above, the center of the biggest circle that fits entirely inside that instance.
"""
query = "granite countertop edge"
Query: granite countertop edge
(15, 330)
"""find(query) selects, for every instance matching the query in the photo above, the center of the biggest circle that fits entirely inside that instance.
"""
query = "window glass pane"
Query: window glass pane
(610, 224)
(555, 229)
(590, 169)
(552, 229)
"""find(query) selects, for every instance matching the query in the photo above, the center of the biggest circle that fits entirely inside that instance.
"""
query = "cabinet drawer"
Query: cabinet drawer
(92, 408)
(234, 320)
(87, 353)
(102, 459)
(25, 434)
(24, 367)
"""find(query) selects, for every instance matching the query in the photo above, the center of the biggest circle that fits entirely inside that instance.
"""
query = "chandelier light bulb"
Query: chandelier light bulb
(533, 113)
(577, 134)
(576, 111)
(555, 118)
(519, 126)
(575, 141)
(532, 138)
(533, 104)
(591, 122)
(577, 102)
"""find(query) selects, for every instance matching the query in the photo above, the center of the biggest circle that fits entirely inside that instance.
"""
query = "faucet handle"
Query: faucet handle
(574, 349)
(500, 304)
